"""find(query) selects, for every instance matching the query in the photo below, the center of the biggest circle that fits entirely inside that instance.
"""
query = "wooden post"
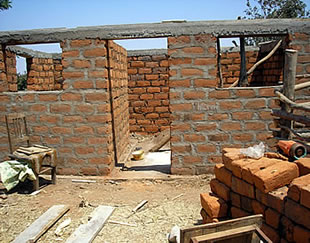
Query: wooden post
(243, 78)
(289, 75)
(219, 68)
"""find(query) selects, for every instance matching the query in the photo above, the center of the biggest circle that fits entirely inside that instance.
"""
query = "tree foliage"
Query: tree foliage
(268, 9)
(5, 4)
(21, 81)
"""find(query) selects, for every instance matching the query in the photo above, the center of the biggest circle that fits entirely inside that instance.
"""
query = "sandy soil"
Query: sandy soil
(171, 201)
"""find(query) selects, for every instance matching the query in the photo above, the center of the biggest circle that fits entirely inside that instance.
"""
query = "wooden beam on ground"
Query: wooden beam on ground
(86, 233)
(42, 224)
(161, 139)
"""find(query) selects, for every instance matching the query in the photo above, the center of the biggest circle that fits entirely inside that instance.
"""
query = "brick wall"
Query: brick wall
(148, 91)
(268, 73)
(119, 80)
(204, 119)
(76, 121)
(8, 75)
(44, 74)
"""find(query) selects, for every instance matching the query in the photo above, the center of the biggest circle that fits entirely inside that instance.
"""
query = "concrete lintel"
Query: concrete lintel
(29, 53)
(226, 28)
(147, 52)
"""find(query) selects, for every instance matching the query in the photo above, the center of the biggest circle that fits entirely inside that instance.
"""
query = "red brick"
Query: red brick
(93, 97)
(81, 63)
(287, 227)
(206, 127)
(191, 72)
(83, 85)
(235, 199)
(255, 104)
(71, 53)
(89, 171)
(238, 213)
(80, 43)
(220, 189)
(72, 119)
(153, 90)
(258, 208)
(229, 155)
(180, 127)
(214, 206)
(180, 83)
(84, 150)
(248, 170)
(269, 92)
(98, 74)
(146, 96)
(62, 130)
(236, 166)
(99, 118)
(305, 196)
(303, 165)
(219, 94)
(95, 52)
(83, 130)
(242, 188)
(181, 148)
(297, 213)
(272, 218)
(38, 108)
(179, 39)
(189, 159)
(180, 61)
(206, 83)
(97, 140)
(242, 115)
(151, 76)
(72, 74)
(192, 95)
(181, 107)
(244, 137)
(194, 138)
(47, 97)
(206, 148)
(248, 93)
(301, 235)
(205, 61)
(218, 117)
(275, 176)
(71, 97)
(271, 233)
(85, 108)
(230, 126)
(255, 126)
(230, 105)
(60, 108)
(195, 50)
(222, 174)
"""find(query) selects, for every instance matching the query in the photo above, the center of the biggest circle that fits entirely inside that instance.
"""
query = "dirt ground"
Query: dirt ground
(171, 201)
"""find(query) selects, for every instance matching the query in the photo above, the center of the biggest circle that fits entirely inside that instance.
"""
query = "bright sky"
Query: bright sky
(35, 14)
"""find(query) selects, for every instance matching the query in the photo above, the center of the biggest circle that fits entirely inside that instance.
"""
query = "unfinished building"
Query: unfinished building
(86, 106)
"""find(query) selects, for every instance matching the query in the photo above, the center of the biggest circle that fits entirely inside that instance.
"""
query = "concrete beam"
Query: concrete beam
(226, 28)
(147, 52)
(29, 53)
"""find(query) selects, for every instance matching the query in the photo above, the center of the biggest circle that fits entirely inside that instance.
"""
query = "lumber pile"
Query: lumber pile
(271, 186)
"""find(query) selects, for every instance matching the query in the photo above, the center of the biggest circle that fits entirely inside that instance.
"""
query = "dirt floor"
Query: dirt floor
(171, 201)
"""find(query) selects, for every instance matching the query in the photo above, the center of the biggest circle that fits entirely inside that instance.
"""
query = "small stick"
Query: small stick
(140, 205)
(122, 223)
(176, 197)
(83, 181)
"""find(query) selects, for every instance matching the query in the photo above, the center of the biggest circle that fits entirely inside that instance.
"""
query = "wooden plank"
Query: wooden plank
(291, 117)
(226, 234)
(86, 233)
(187, 233)
(42, 224)
(160, 140)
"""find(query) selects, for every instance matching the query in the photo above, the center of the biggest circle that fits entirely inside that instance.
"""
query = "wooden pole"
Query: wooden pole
(243, 78)
(289, 75)
(219, 67)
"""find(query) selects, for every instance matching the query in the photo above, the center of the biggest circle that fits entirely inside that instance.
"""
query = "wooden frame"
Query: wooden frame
(235, 230)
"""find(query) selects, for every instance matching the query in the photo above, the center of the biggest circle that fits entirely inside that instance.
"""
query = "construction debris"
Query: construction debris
(64, 224)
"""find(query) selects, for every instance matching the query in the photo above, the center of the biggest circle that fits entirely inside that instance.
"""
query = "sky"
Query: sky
(37, 14)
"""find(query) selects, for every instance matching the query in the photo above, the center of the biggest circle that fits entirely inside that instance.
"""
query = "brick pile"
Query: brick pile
(271, 186)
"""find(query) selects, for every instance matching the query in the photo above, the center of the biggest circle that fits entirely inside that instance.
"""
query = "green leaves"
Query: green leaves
(5, 4)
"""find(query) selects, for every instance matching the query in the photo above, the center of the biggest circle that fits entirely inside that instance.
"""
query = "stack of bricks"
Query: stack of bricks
(44, 74)
(148, 91)
(271, 186)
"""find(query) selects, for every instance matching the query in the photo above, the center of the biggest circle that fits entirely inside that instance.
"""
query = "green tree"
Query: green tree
(5, 4)
(21, 81)
(270, 9)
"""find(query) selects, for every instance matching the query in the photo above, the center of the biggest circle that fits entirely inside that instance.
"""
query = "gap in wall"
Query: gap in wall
(268, 73)
(148, 101)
